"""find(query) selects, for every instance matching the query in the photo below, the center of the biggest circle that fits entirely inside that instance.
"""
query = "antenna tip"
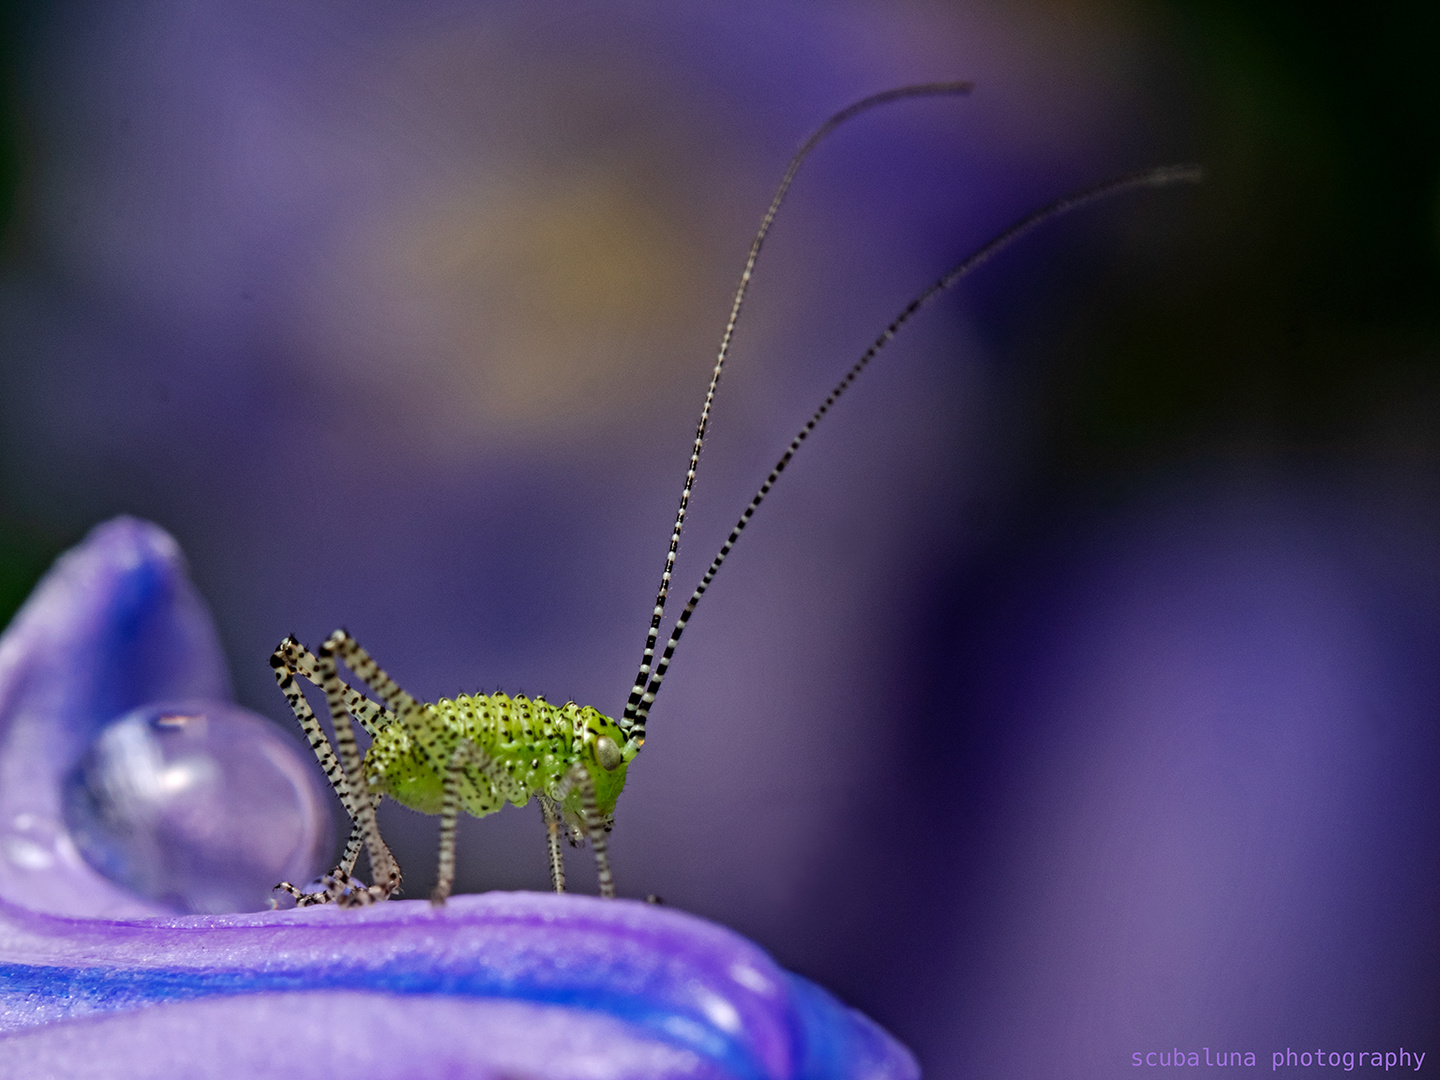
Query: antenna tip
(953, 86)
(1176, 174)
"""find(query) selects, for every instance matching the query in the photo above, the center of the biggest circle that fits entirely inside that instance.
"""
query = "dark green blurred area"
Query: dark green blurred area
(1294, 309)
(25, 551)
(24, 556)
(1290, 308)
(15, 20)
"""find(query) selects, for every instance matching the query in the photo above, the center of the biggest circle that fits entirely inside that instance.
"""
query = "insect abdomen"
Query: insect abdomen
(529, 743)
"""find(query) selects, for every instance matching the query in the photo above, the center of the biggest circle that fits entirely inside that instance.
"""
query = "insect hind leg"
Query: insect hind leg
(295, 658)
(292, 659)
(384, 870)
(336, 883)
(343, 769)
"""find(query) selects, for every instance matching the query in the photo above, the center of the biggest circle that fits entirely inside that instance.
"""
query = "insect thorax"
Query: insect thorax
(531, 746)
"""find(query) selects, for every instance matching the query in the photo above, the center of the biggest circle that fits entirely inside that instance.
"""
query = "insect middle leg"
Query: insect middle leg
(551, 813)
(465, 754)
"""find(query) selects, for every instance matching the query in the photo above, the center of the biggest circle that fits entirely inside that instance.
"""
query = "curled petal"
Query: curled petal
(129, 782)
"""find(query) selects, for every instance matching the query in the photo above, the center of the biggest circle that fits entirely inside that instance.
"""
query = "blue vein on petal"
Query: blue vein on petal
(88, 990)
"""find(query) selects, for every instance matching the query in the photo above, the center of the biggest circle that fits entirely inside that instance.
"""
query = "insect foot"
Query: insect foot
(338, 887)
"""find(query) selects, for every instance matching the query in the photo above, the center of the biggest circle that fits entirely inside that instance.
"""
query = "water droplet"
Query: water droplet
(201, 806)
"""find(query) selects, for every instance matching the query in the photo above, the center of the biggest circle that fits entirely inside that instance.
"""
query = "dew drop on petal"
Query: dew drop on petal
(201, 806)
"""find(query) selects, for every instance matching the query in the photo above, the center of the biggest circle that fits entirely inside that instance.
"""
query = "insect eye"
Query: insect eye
(607, 753)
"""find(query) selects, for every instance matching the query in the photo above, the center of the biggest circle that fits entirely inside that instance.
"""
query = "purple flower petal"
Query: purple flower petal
(679, 995)
(489, 986)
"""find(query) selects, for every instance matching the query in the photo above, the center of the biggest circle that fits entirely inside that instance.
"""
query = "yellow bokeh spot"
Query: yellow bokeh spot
(518, 308)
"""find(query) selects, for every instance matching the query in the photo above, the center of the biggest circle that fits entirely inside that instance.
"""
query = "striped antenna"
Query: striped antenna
(633, 707)
(1161, 177)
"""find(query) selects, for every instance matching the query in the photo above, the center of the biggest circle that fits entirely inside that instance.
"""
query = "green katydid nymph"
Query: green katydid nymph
(478, 752)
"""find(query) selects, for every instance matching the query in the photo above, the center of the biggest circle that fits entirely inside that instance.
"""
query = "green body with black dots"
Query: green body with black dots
(531, 745)
(469, 754)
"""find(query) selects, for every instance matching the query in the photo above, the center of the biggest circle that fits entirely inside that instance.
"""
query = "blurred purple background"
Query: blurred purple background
(1073, 695)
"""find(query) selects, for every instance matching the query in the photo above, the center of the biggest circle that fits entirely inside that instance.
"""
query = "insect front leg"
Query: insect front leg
(578, 779)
